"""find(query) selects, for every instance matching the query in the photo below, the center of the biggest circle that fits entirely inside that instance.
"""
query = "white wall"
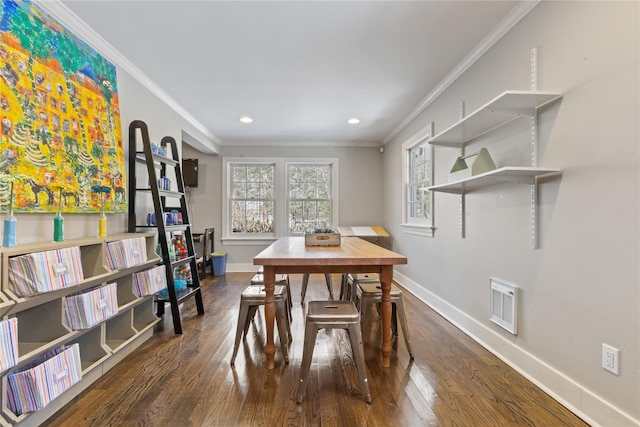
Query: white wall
(359, 194)
(580, 288)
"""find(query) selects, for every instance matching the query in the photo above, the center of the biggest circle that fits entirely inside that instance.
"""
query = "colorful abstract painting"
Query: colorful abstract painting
(60, 134)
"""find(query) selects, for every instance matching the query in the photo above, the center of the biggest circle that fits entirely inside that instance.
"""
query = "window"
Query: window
(252, 198)
(309, 198)
(418, 175)
(269, 198)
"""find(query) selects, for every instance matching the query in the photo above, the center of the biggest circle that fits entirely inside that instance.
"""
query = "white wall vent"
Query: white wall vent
(504, 305)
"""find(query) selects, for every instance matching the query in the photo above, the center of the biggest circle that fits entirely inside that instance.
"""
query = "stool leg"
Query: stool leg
(363, 305)
(242, 321)
(288, 318)
(403, 324)
(358, 355)
(282, 333)
(251, 314)
(289, 299)
(394, 318)
(305, 282)
(289, 295)
(343, 288)
(327, 278)
(310, 332)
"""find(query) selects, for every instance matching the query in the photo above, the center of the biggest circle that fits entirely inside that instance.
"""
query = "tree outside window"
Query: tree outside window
(252, 198)
(418, 197)
(309, 197)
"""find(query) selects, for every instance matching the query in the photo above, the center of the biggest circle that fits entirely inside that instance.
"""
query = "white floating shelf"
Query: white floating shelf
(501, 110)
(514, 175)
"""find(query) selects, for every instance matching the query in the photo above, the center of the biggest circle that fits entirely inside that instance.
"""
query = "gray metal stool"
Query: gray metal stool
(351, 280)
(369, 293)
(305, 282)
(332, 315)
(253, 297)
(281, 279)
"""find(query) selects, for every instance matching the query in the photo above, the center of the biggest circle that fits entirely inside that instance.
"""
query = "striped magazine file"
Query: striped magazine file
(33, 387)
(41, 272)
(90, 307)
(126, 253)
(8, 343)
(150, 281)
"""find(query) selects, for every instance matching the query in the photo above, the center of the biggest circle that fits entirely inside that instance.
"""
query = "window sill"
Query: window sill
(248, 241)
(418, 230)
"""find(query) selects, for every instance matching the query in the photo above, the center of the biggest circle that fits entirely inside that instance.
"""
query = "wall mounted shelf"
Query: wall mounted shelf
(504, 108)
(513, 175)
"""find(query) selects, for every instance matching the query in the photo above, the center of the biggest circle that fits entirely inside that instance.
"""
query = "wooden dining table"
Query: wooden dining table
(289, 255)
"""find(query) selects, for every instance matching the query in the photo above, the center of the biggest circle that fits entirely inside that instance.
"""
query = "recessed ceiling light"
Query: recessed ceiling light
(353, 121)
(246, 119)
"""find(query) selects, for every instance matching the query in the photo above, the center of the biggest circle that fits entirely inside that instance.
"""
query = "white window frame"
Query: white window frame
(417, 226)
(333, 190)
(281, 207)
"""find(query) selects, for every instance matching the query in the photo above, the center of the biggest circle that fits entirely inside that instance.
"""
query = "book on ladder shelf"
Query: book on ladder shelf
(175, 238)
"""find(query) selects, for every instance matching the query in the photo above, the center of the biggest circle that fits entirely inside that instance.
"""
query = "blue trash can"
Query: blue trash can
(219, 263)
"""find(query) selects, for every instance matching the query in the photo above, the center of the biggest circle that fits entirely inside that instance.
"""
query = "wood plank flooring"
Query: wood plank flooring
(186, 380)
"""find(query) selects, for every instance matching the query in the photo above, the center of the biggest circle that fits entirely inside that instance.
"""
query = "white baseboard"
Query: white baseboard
(240, 268)
(585, 404)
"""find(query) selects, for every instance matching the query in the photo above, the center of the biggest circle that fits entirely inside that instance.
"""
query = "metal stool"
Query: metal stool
(332, 315)
(281, 279)
(305, 282)
(253, 297)
(351, 280)
(369, 293)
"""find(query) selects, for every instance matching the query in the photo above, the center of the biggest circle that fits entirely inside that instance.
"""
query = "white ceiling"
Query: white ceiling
(299, 68)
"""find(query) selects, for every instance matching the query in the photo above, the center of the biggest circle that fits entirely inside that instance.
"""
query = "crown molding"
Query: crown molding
(61, 13)
(512, 18)
(365, 144)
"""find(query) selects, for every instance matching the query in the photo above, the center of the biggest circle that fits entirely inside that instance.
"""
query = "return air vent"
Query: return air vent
(504, 305)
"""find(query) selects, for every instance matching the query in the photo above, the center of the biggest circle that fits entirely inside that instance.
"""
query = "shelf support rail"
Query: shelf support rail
(462, 196)
(534, 153)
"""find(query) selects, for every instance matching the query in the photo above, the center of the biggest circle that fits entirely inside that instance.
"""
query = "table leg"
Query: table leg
(269, 315)
(386, 277)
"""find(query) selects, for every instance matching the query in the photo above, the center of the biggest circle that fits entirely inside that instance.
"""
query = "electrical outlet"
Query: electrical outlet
(610, 358)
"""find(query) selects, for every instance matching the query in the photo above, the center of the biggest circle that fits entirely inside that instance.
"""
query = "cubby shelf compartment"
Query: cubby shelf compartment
(506, 107)
(119, 330)
(41, 329)
(513, 175)
(41, 324)
(92, 351)
(143, 315)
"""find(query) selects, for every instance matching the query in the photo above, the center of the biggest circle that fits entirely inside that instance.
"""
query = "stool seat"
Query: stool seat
(368, 293)
(321, 311)
(250, 299)
(258, 279)
(332, 315)
(351, 280)
(374, 289)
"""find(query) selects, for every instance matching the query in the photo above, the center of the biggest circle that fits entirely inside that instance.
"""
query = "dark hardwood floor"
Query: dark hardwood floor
(186, 380)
